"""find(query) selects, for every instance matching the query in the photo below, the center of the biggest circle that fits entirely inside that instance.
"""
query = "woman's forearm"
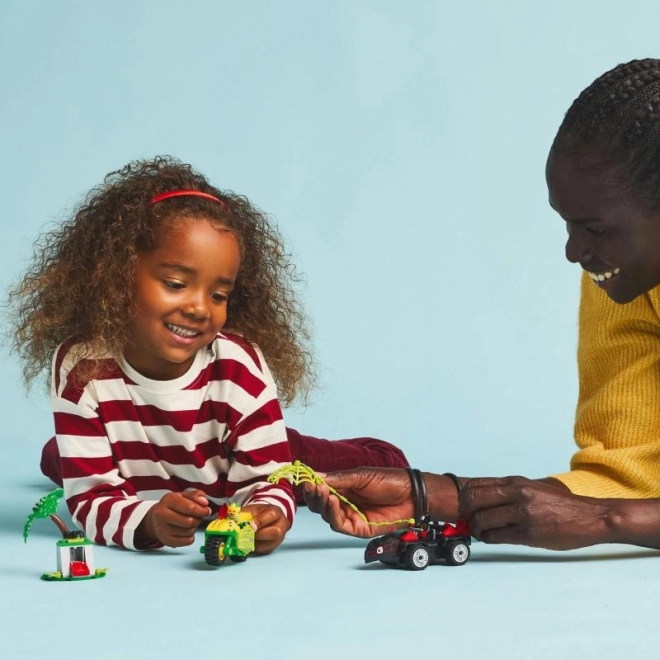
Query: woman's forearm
(590, 520)
(635, 522)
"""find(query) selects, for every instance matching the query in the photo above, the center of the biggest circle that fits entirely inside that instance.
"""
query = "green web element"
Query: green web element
(298, 473)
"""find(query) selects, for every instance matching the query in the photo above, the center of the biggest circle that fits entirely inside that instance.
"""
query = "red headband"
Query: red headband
(180, 193)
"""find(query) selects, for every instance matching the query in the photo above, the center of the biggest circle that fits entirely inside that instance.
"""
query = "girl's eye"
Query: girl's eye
(173, 285)
(219, 297)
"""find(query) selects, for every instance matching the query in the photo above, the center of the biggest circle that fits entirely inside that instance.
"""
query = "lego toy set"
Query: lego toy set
(231, 535)
(75, 552)
(428, 542)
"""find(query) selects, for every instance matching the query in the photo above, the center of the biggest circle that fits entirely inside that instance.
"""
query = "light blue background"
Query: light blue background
(401, 147)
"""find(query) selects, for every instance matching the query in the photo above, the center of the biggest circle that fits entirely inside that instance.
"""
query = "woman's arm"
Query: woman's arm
(545, 514)
(381, 494)
(541, 513)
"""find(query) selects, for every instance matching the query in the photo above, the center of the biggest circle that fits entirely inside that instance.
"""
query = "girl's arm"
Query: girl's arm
(259, 447)
(101, 502)
(257, 439)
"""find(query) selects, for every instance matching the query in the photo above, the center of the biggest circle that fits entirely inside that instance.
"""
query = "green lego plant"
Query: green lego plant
(46, 507)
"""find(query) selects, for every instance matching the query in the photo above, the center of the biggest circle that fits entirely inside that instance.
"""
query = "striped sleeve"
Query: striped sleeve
(259, 446)
(101, 502)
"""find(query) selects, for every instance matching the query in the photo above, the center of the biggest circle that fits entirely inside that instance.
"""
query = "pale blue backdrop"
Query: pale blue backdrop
(401, 148)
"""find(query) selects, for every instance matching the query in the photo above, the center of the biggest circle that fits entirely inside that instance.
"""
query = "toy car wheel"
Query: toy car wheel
(457, 553)
(214, 551)
(416, 558)
(238, 558)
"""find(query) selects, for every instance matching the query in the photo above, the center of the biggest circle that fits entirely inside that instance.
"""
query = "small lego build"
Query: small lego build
(422, 544)
(75, 553)
(230, 535)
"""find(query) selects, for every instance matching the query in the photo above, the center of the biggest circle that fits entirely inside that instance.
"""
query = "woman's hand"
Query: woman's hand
(270, 526)
(382, 494)
(174, 520)
(542, 514)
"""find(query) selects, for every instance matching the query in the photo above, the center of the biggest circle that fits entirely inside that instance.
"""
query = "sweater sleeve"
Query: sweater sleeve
(617, 426)
(101, 502)
(259, 446)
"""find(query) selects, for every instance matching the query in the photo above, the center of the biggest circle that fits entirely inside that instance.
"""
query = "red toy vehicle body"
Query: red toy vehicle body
(418, 546)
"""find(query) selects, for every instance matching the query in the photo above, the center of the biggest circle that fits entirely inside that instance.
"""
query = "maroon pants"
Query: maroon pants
(321, 455)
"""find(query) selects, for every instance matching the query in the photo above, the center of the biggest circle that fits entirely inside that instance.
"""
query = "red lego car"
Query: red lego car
(422, 544)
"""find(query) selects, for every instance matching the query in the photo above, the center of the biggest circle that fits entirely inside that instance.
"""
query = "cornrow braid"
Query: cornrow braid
(615, 122)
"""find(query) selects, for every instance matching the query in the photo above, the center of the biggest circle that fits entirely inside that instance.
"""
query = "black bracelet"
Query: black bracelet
(419, 496)
(423, 499)
(455, 479)
(415, 491)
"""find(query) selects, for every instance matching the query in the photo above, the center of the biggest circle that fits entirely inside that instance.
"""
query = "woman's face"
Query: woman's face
(610, 235)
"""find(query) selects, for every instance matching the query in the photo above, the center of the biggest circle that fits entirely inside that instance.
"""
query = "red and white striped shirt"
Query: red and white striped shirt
(126, 440)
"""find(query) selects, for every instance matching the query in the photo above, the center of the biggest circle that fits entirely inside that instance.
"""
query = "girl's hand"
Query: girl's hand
(382, 494)
(270, 526)
(175, 519)
(541, 514)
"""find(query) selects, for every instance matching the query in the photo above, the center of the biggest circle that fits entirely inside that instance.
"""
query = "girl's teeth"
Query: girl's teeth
(181, 331)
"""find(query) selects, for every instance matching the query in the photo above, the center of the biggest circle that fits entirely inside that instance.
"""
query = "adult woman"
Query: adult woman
(603, 175)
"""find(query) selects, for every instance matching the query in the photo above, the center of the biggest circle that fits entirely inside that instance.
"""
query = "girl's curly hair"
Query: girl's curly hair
(80, 283)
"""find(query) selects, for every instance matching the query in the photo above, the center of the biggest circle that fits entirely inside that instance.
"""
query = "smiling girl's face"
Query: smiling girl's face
(182, 290)
(615, 240)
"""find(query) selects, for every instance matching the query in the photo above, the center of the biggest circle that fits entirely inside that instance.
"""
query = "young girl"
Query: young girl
(603, 175)
(160, 304)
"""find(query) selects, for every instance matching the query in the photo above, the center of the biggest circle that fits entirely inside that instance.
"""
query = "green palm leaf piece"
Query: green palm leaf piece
(46, 507)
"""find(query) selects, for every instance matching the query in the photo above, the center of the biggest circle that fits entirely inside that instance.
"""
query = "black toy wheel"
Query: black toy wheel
(456, 553)
(214, 551)
(416, 558)
(238, 558)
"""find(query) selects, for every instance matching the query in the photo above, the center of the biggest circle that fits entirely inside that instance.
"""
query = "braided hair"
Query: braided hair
(615, 124)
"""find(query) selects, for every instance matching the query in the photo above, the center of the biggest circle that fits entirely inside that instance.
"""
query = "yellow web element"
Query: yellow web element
(298, 473)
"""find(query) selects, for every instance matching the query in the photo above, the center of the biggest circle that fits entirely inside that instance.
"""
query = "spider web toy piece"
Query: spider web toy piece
(298, 473)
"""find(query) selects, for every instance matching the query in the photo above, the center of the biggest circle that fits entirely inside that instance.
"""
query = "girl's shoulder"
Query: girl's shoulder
(238, 346)
(76, 363)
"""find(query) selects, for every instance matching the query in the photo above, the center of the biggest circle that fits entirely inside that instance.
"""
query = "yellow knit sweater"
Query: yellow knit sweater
(617, 426)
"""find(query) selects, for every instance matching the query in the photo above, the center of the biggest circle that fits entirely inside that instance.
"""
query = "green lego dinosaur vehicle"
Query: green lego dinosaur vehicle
(230, 535)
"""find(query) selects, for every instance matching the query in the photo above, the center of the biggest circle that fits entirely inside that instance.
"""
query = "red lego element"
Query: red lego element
(78, 569)
(409, 536)
(462, 527)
